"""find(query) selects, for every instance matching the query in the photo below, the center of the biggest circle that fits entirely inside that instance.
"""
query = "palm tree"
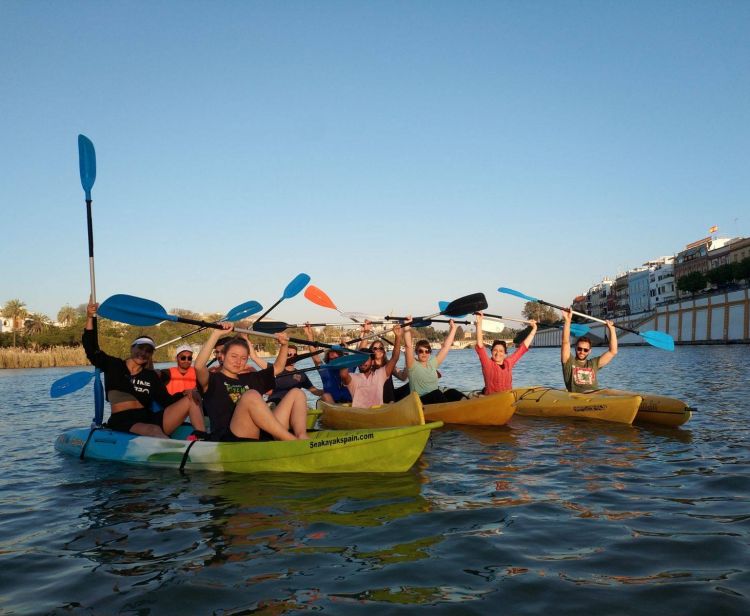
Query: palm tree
(15, 310)
(36, 323)
(67, 315)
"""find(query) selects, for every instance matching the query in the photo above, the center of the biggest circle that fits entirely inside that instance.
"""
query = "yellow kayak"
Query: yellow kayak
(406, 412)
(659, 410)
(493, 410)
(548, 402)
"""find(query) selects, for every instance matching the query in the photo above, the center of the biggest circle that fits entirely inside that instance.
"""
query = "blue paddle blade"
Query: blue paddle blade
(658, 339)
(345, 361)
(293, 288)
(98, 398)
(579, 330)
(528, 298)
(87, 164)
(133, 310)
(243, 310)
(70, 383)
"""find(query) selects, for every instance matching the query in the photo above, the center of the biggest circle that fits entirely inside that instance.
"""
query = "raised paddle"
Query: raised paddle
(87, 169)
(235, 314)
(575, 328)
(139, 311)
(293, 288)
(345, 361)
(655, 338)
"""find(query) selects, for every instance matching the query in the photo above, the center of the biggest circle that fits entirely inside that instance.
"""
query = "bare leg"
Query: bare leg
(253, 407)
(144, 429)
(176, 413)
(292, 411)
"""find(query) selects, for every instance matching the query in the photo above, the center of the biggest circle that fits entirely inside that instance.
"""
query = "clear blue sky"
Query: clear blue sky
(400, 153)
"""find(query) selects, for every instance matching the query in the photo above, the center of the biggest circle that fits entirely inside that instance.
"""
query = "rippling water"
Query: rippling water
(541, 516)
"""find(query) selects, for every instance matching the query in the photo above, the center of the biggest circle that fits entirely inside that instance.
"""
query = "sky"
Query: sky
(398, 152)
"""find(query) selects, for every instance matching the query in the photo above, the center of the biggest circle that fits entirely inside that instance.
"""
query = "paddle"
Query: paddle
(345, 361)
(575, 328)
(235, 314)
(87, 169)
(293, 288)
(275, 327)
(655, 338)
(138, 311)
(70, 383)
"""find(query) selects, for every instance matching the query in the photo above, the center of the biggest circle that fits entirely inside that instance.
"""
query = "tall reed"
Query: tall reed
(15, 357)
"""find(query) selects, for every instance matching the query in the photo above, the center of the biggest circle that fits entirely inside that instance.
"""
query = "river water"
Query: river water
(541, 516)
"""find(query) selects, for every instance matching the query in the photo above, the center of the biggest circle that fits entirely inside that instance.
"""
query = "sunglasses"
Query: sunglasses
(421, 351)
(582, 350)
(378, 348)
(185, 358)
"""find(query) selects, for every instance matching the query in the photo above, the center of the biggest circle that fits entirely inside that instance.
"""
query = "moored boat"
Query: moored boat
(406, 412)
(548, 402)
(656, 409)
(493, 410)
(390, 450)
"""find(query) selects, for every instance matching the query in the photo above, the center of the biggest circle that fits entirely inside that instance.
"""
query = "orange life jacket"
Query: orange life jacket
(180, 382)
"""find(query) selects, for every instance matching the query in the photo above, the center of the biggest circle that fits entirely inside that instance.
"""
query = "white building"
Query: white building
(661, 281)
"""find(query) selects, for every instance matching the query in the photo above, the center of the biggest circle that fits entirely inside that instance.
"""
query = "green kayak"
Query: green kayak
(391, 450)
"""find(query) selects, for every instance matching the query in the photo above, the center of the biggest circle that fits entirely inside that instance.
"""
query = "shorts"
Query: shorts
(123, 421)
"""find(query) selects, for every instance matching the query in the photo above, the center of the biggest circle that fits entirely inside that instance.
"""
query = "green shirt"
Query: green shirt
(580, 376)
(423, 379)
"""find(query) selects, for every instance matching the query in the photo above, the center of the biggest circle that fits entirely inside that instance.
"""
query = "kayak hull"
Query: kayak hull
(493, 410)
(392, 450)
(655, 409)
(548, 402)
(406, 412)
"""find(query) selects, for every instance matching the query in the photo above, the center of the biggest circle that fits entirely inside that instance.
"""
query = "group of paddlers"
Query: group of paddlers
(268, 402)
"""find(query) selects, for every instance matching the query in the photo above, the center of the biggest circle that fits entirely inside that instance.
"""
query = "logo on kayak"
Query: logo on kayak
(342, 440)
(590, 407)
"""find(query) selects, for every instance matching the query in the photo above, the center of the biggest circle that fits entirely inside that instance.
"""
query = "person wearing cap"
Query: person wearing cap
(333, 389)
(133, 388)
(182, 376)
(366, 386)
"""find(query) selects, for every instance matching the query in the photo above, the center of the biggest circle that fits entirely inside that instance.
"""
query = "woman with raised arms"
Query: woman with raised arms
(233, 398)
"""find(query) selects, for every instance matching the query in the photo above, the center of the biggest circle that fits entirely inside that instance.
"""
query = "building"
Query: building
(638, 290)
(597, 299)
(739, 249)
(619, 296)
(661, 284)
(695, 257)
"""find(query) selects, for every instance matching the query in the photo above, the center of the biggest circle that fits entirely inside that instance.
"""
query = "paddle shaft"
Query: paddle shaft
(588, 316)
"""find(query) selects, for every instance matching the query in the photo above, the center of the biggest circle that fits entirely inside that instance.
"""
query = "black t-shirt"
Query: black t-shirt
(285, 382)
(146, 386)
(224, 392)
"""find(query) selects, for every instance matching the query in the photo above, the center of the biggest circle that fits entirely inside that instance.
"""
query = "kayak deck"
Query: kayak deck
(549, 402)
(406, 412)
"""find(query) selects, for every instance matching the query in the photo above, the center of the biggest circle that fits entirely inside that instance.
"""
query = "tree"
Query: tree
(692, 283)
(15, 310)
(540, 313)
(36, 323)
(721, 276)
(67, 315)
(742, 269)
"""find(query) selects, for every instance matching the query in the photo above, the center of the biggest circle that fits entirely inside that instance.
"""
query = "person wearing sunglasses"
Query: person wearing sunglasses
(497, 370)
(580, 370)
(366, 385)
(133, 389)
(423, 367)
(182, 376)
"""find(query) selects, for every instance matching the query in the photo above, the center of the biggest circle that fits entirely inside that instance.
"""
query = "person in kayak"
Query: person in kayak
(580, 371)
(498, 369)
(133, 389)
(366, 386)
(289, 378)
(182, 376)
(232, 397)
(423, 369)
(333, 389)
(380, 359)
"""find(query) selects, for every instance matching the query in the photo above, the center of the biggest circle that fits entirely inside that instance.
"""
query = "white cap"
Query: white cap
(143, 340)
(183, 347)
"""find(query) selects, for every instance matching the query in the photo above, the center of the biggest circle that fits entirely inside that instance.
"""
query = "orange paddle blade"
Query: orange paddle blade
(316, 296)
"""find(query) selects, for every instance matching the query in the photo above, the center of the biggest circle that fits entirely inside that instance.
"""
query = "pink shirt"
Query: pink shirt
(499, 378)
(367, 390)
